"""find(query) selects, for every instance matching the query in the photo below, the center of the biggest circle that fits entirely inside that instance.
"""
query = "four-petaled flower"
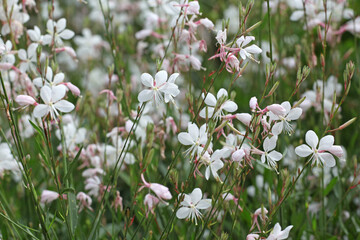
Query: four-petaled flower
(211, 101)
(195, 138)
(52, 102)
(320, 155)
(282, 121)
(191, 205)
(158, 86)
(246, 52)
(277, 234)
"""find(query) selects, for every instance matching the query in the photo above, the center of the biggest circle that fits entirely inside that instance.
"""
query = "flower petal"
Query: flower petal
(57, 93)
(312, 139)
(328, 159)
(145, 95)
(161, 77)
(185, 139)
(196, 195)
(183, 212)
(204, 204)
(326, 142)
(210, 99)
(303, 150)
(230, 106)
(45, 94)
(64, 106)
(147, 80)
(274, 155)
(41, 110)
(294, 113)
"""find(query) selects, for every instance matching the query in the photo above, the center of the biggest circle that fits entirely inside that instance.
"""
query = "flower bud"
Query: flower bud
(238, 155)
(24, 100)
(74, 89)
(245, 118)
(48, 196)
(253, 103)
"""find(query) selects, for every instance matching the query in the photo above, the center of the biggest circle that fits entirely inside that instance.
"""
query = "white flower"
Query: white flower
(52, 102)
(213, 163)
(211, 101)
(191, 205)
(158, 86)
(35, 35)
(277, 234)
(269, 154)
(8, 162)
(195, 137)
(57, 32)
(49, 80)
(320, 155)
(283, 124)
(246, 52)
(28, 58)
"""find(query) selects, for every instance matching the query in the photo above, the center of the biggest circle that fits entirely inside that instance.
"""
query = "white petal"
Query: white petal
(64, 106)
(207, 173)
(253, 49)
(294, 113)
(147, 80)
(274, 155)
(38, 82)
(230, 106)
(287, 106)
(45, 94)
(185, 139)
(33, 35)
(221, 92)
(49, 74)
(277, 128)
(41, 110)
(193, 131)
(204, 204)
(173, 77)
(58, 78)
(196, 195)
(210, 99)
(303, 150)
(329, 160)
(67, 34)
(60, 25)
(311, 138)
(285, 233)
(270, 143)
(22, 54)
(145, 95)
(183, 212)
(161, 77)
(326, 142)
(57, 93)
(296, 15)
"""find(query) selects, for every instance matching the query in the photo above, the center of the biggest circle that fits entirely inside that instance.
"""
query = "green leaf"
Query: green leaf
(73, 217)
(330, 186)
(37, 128)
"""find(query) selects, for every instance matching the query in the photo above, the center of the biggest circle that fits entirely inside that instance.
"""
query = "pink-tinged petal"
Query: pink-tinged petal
(221, 92)
(230, 106)
(326, 142)
(303, 150)
(147, 80)
(193, 131)
(204, 204)
(161, 77)
(185, 139)
(183, 213)
(210, 99)
(253, 49)
(294, 113)
(67, 34)
(328, 159)
(57, 93)
(277, 128)
(41, 110)
(24, 100)
(253, 103)
(61, 24)
(245, 118)
(312, 139)
(274, 155)
(45, 94)
(64, 106)
(196, 195)
(336, 150)
(277, 109)
(145, 95)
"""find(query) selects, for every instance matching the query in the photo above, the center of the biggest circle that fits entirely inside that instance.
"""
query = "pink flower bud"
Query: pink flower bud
(252, 236)
(85, 201)
(161, 191)
(195, 63)
(74, 89)
(245, 118)
(276, 109)
(48, 196)
(193, 8)
(5, 66)
(24, 100)
(207, 23)
(253, 103)
(238, 155)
